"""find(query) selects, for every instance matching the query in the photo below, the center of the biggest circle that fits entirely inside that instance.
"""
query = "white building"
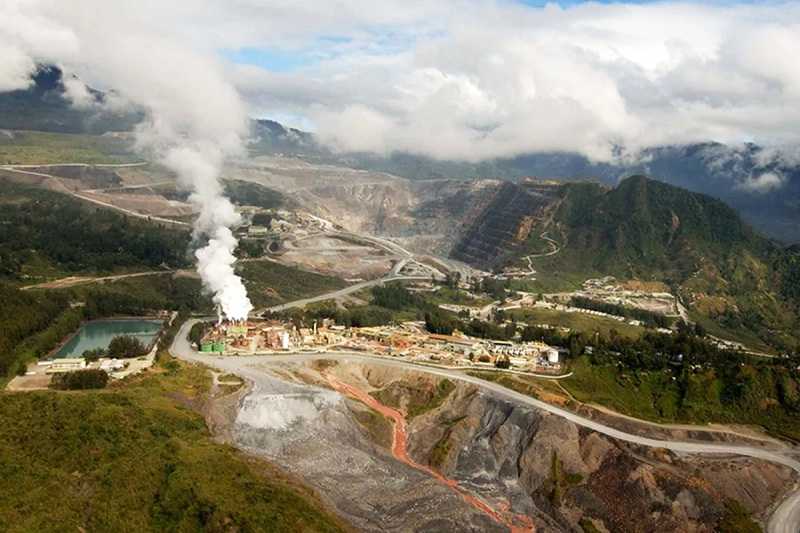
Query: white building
(67, 364)
(111, 365)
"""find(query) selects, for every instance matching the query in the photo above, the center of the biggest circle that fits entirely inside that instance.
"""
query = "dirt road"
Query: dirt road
(72, 281)
(19, 169)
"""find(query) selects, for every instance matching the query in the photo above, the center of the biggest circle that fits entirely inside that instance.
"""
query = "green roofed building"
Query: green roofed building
(237, 330)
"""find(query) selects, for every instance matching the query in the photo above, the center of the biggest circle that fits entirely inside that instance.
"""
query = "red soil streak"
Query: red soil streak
(400, 452)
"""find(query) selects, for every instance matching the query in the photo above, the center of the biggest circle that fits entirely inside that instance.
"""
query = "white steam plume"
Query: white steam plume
(199, 168)
(195, 117)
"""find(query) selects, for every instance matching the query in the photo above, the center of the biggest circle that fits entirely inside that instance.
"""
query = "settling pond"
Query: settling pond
(98, 334)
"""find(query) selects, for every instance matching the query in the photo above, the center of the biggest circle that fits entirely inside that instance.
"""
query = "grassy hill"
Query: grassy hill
(137, 457)
(645, 228)
(23, 147)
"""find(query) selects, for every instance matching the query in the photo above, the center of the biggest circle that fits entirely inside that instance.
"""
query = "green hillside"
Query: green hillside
(137, 457)
(737, 283)
(646, 228)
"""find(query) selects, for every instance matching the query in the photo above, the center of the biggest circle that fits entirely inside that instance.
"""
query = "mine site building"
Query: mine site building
(111, 365)
(67, 364)
(453, 343)
(257, 231)
(373, 334)
(501, 347)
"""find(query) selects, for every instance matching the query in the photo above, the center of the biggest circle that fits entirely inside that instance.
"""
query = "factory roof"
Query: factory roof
(452, 339)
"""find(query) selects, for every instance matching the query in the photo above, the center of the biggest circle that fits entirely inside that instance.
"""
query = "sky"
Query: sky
(463, 79)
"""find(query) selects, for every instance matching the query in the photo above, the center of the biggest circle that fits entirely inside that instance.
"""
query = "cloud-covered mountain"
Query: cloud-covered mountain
(56, 103)
(762, 186)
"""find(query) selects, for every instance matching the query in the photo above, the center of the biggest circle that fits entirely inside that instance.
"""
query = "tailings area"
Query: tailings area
(400, 450)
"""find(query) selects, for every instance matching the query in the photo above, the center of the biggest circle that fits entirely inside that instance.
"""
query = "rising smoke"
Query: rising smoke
(195, 118)
(199, 170)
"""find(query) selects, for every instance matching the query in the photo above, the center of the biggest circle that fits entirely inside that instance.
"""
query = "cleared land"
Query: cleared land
(576, 321)
(34, 147)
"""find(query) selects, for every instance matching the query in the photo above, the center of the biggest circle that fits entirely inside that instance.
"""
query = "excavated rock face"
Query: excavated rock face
(521, 462)
(502, 228)
(427, 216)
(560, 474)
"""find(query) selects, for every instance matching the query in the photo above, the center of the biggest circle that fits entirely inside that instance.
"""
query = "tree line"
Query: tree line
(648, 318)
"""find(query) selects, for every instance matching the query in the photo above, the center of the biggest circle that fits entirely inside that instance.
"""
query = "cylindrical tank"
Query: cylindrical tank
(207, 347)
(219, 346)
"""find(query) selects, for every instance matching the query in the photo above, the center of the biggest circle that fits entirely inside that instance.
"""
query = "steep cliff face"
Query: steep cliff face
(428, 216)
(339, 447)
(502, 228)
(397, 450)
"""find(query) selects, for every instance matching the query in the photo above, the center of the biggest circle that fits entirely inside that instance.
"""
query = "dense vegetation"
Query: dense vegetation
(248, 193)
(38, 226)
(739, 284)
(270, 283)
(135, 458)
(683, 377)
(88, 378)
(22, 315)
(125, 346)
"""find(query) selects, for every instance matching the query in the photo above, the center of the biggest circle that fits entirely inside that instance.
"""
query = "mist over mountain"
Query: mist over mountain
(763, 188)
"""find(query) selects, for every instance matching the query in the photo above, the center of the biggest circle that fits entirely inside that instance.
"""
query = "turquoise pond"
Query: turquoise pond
(98, 334)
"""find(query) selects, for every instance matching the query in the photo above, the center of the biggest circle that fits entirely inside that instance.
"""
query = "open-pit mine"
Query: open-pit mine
(393, 448)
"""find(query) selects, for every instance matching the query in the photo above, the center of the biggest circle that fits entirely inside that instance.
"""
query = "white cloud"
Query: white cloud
(762, 183)
(499, 79)
(78, 93)
(465, 79)
(15, 68)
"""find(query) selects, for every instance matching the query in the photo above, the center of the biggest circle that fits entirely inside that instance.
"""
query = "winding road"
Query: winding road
(784, 519)
(342, 292)
(72, 281)
(20, 169)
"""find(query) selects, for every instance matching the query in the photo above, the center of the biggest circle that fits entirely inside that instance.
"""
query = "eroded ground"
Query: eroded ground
(470, 461)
